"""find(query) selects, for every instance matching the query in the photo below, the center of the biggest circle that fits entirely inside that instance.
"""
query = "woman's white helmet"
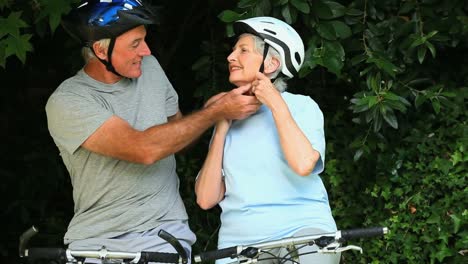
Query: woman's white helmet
(278, 35)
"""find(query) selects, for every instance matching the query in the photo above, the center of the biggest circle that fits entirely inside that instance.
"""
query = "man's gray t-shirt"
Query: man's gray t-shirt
(112, 196)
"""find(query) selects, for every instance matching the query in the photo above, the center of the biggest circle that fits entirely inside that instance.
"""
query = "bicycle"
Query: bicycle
(68, 256)
(327, 243)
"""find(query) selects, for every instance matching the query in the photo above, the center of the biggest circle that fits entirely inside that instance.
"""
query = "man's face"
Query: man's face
(129, 50)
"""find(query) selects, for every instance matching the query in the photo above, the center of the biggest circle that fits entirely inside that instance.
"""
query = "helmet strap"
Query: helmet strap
(108, 62)
(265, 52)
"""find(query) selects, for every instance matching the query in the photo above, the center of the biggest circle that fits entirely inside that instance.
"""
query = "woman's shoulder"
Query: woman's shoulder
(300, 101)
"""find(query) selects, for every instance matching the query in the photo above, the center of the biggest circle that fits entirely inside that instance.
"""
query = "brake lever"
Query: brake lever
(340, 249)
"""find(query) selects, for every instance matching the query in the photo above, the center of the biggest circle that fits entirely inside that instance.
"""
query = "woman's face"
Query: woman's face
(244, 61)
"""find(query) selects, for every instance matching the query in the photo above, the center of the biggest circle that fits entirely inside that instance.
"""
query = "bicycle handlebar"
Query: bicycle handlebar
(62, 255)
(363, 232)
(68, 255)
(339, 236)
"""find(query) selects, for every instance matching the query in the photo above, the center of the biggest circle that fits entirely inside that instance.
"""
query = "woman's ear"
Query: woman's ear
(99, 51)
(272, 65)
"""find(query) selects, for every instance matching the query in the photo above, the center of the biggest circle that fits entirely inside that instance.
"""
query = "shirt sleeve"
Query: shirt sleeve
(72, 118)
(172, 99)
(310, 120)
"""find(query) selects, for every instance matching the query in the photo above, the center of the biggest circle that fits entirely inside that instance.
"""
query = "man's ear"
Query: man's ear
(272, 65)
(99, 51)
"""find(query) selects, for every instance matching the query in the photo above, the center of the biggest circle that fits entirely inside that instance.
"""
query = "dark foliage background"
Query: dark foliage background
(390, 77)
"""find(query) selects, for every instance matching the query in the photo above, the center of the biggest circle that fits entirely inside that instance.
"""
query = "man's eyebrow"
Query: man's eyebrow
(137, 40)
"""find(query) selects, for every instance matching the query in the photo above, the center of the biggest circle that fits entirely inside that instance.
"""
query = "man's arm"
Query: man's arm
(116, 138)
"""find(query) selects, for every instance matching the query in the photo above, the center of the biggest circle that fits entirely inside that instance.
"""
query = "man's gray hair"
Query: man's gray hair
(280, 81)
(87, 52)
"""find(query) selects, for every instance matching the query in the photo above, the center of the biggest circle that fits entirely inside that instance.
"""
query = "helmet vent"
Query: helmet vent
(297, 57)
(269, 31)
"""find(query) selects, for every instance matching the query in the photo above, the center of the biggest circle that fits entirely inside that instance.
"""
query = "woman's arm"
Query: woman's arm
(297, 149)
(209, 186)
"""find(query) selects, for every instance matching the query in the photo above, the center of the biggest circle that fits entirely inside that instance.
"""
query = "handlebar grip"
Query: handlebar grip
(160, 257)
(216, 254)
(46, 253)
(363, 232)
(175, 244)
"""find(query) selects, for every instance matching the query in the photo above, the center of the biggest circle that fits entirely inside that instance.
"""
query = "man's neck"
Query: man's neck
(97, 70)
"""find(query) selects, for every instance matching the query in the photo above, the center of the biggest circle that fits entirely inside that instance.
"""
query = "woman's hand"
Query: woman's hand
(265, 91)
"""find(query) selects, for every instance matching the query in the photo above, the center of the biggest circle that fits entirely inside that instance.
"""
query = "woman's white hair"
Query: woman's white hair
(280, 81)
(87, 52)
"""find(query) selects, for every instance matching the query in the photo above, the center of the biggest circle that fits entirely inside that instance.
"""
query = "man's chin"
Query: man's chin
(133, 75)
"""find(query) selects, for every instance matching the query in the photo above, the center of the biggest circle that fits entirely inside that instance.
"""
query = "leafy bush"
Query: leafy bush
(389, 76)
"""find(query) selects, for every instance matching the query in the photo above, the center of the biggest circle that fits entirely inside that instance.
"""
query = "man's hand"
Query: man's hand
(236, 104)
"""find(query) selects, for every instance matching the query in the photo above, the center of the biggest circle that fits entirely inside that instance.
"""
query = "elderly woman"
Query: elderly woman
(264, 170)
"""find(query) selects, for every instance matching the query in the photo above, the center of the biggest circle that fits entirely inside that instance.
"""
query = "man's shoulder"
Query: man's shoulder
(150, 61)
(72, 87)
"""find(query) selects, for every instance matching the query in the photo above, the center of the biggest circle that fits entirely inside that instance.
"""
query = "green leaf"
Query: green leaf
(12, 25)
(376, 121)
(407, 7)
(54, 9)
(286, 13)
(262, 8)
(326, 30)
(358, 59)
(322, 10)
(342, 30)
(246, 3)
(281, 2)
(389, 116)
(431, 34)
(436, 105)
(419, 100)
(442, 253)
(354, 12)
(372, 100)
(229, 16)
(4, 3)
(333, 64)
(391, 96)
(421, 53)
(396, 105)
(417, 42)
(2, 53)
(431, 48)
(332, 56)
(358, 154)
(337, 9)
(301, 5)
(384, 64)
(18, 46)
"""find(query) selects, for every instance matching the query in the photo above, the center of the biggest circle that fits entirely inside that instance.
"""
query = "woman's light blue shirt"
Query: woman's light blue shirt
(264, 198)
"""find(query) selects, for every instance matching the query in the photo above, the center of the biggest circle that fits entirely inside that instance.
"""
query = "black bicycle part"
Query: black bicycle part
(174, 243)
(60, 254)
(322, 241)
(230, 252)
(362, 232)
(249, 252)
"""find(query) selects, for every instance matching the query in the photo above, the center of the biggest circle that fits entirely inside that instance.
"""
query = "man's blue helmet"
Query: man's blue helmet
(93, 20)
